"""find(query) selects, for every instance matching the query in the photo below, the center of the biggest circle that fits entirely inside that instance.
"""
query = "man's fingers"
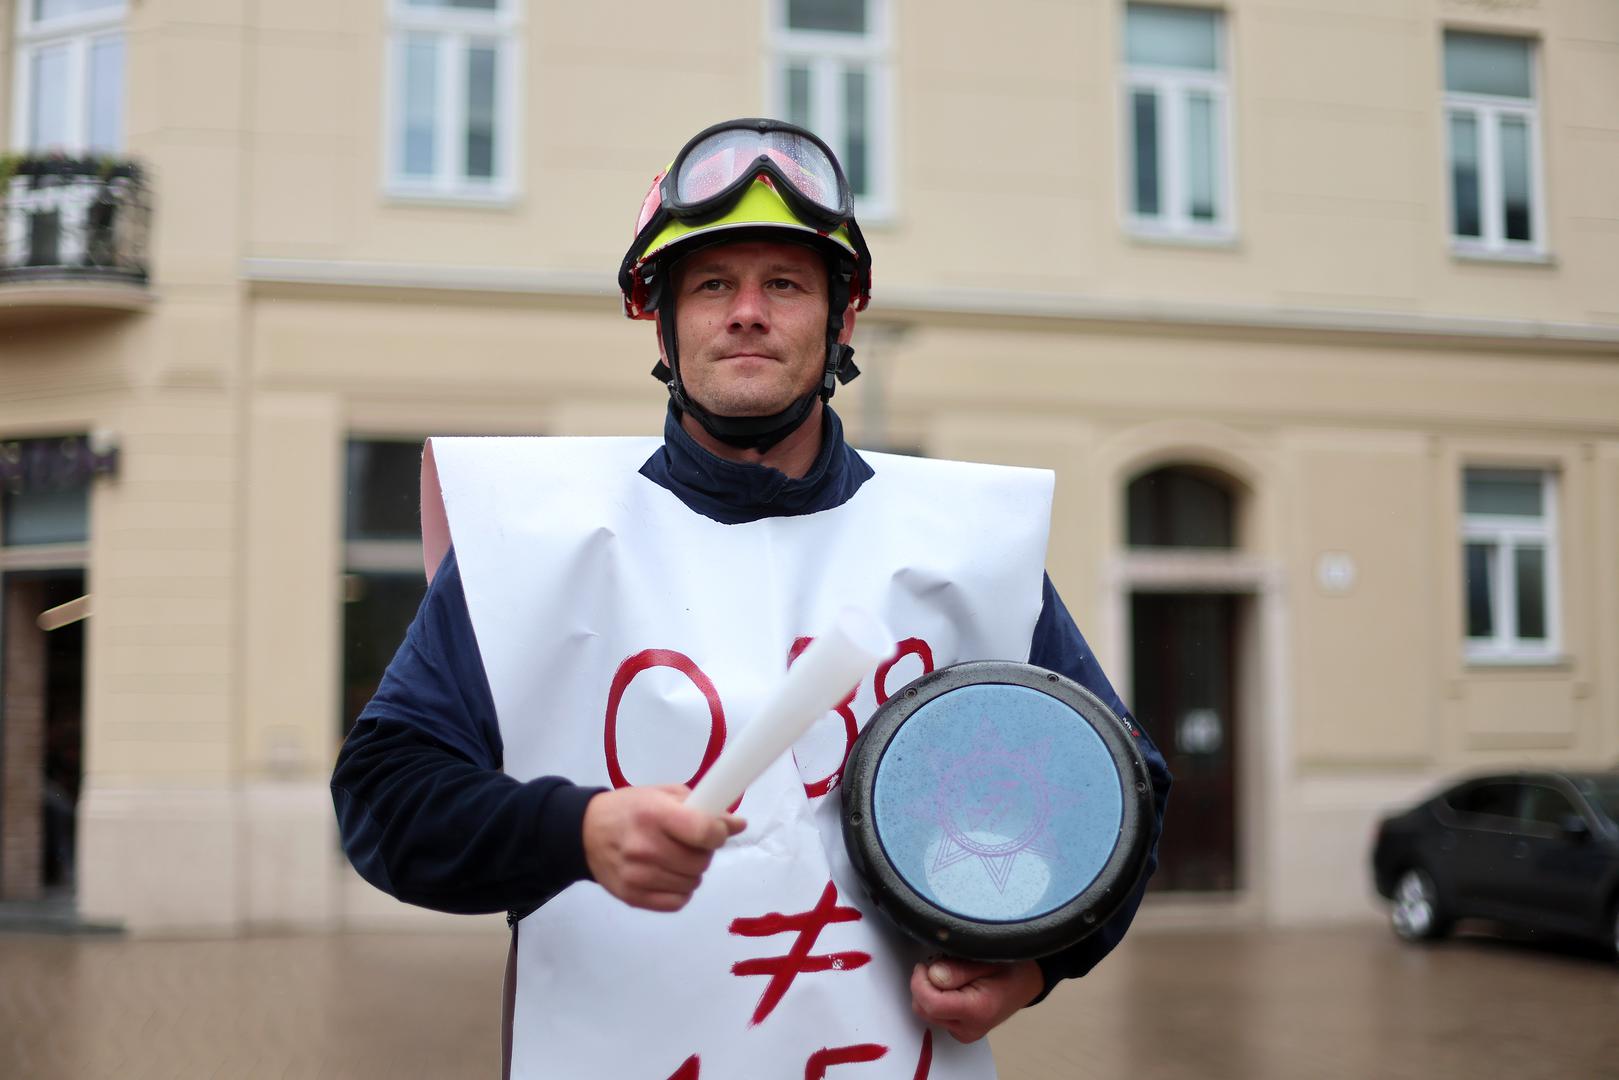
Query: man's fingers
(663, 882)
(966, 1015)
(656, 879)
(696, 829)
(933, 1004)
(702, 836)
(954, 973)
(655, 848)
(646, 847)
(975, 996)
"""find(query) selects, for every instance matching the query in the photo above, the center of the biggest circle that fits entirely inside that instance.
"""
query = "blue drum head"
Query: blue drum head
(997, 810)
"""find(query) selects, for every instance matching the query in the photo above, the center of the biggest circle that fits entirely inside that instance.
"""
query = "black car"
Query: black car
(1538, 850)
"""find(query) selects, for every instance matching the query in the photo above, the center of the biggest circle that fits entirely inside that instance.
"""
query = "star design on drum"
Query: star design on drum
(994, 803)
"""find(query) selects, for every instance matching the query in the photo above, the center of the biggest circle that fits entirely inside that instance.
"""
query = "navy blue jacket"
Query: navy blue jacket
(426, 813)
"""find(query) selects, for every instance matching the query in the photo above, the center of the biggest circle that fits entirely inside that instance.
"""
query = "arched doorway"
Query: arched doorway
(1184, 522)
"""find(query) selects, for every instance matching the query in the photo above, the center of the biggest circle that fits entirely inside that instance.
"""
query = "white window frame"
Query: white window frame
(457, 31)
(1172, 86)
(828, 55)
(1488, 110)
(80, 33)
(1506, 532)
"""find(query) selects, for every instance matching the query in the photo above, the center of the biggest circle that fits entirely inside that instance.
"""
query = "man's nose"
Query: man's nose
(749, 310)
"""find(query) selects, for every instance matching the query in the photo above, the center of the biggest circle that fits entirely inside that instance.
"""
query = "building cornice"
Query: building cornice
(336, 274)
(969, 304)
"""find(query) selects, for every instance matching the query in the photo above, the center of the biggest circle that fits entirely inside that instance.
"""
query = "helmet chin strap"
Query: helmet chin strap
(762, 432)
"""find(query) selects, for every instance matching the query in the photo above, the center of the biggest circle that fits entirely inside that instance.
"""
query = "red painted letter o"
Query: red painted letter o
(644, 661)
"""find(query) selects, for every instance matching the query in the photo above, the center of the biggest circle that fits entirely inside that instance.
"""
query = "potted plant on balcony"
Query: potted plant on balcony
(79, 214)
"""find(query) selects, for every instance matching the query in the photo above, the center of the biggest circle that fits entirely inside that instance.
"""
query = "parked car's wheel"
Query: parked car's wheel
(1417, 913)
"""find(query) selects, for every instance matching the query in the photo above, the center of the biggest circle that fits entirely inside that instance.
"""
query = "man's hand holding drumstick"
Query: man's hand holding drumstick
(649, 846)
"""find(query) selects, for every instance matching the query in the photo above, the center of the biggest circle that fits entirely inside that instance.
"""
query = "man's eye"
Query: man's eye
(784, 283)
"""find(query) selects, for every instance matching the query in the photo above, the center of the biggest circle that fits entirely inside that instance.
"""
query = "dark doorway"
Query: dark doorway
(41, 736)
(1184, 665)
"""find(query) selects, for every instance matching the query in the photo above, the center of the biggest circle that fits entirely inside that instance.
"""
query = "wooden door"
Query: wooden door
(41, 711)
(1184, 665)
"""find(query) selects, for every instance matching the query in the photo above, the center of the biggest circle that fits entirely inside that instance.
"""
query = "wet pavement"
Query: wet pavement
(1350, 1003)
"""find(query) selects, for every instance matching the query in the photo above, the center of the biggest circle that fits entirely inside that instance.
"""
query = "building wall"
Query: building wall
(1338, 146)
(1335, 359)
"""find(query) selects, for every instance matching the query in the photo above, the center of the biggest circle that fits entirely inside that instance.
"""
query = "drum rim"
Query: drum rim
(984, 939)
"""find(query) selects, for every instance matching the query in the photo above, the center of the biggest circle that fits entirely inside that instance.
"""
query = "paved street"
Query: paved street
(1169, 1005)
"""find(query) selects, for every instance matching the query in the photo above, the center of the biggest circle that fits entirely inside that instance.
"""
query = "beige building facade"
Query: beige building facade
(1313, 306)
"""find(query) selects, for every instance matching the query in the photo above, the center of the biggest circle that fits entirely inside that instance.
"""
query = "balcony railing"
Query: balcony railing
(70, 229)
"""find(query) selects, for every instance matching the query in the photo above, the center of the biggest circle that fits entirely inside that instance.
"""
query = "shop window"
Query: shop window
(44, 517)
(830, 75)
(1180, 506)
(45, 490)
(383, 582)
(1509, 564)
(1176, 122)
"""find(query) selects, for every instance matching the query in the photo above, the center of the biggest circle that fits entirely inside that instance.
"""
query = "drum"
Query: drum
(997, 811)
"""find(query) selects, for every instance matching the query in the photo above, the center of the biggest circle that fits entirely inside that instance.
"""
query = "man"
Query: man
(457, 788)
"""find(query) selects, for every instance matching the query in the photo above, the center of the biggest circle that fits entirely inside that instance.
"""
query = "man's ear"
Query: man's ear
(848, 325)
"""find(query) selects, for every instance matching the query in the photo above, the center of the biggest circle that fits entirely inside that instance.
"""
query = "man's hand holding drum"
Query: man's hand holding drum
(969, 998)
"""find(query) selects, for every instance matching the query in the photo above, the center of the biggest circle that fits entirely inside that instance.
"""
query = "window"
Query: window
(830, 74)
(1546, 806)
(1495, 800)
(44, 517)
(383, 583)
(69, 91)
(1176, 122)
(1492, 128)
(1602, 793)
(453, 99)
(1509, 564)
(45, 490)
(1180, 506)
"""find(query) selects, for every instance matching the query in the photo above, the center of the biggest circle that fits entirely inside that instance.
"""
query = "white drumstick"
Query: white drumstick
(822, 676)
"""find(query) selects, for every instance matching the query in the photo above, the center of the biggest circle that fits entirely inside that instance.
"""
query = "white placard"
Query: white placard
(628, 640)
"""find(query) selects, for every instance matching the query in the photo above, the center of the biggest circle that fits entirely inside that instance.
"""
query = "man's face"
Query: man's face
(751, 322)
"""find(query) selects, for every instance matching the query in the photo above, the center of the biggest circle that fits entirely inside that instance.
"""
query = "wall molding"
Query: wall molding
(265, 274)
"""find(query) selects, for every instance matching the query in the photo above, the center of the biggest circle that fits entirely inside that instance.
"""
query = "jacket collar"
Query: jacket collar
(733, 492)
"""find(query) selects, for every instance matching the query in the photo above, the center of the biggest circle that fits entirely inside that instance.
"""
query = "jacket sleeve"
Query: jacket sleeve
(1058, 646)
(423, 808)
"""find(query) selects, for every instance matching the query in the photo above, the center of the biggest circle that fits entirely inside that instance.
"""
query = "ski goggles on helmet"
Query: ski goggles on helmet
(744, 174)
(712, 171)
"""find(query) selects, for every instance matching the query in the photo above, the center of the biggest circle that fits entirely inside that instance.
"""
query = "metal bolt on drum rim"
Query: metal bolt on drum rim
(1414, 902)
(986, 939)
